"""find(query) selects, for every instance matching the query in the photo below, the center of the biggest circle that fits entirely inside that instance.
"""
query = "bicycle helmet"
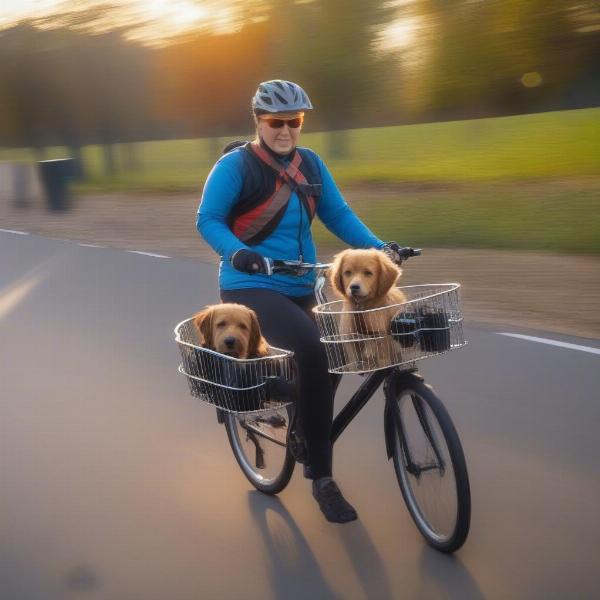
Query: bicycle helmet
(278, 95)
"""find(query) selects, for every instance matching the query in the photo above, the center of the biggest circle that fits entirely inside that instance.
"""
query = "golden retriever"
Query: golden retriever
(231, 329)
(365, 279)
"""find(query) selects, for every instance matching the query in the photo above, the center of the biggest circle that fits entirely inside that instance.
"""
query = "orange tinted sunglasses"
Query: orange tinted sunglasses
(275, 123)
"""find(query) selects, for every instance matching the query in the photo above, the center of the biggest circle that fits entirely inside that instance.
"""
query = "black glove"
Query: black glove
(251, 262)
(399, 253)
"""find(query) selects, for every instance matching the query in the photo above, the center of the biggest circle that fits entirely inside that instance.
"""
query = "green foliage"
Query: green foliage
(77, 78)
(559, 217)
(479, 52)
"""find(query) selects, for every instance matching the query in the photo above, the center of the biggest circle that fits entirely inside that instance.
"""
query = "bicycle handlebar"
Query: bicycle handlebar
(294, 267)
(407, 253)
(299, 268)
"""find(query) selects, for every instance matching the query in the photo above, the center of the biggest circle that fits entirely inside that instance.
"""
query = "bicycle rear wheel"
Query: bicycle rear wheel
(430, 465)
(259, 444)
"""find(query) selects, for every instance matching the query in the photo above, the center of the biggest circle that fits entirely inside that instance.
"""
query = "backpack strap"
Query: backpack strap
(267, 189)
(233, 145)
(292, 176)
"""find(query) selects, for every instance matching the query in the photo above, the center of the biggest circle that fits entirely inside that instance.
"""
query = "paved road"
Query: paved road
(116, 484)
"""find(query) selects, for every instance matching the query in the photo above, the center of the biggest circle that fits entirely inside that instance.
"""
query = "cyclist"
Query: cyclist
(247, 213)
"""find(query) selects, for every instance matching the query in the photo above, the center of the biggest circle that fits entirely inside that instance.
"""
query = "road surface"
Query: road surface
(116, 484)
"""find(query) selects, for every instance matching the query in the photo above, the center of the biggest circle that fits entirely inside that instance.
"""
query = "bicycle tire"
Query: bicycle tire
(427, 434)
(278, 462)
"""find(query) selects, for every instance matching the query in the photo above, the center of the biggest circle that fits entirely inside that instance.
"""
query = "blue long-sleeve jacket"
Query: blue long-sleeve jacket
(221, 192)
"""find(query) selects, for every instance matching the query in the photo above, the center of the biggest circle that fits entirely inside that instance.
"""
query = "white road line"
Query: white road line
(553, 343)
(148, 254)
(89, 245)
(17, 232)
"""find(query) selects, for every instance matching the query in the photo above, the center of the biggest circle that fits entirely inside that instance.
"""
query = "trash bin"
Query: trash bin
(56, 178)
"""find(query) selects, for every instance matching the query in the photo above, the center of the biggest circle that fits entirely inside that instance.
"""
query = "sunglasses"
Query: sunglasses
(274, 123)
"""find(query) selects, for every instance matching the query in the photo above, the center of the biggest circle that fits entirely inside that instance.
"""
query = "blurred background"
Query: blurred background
(464, 124)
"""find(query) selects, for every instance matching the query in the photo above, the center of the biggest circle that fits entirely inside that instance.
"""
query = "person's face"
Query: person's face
(283, 138)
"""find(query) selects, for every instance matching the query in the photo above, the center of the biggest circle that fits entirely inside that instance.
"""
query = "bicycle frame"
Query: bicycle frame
(360, 397)
(370, 385)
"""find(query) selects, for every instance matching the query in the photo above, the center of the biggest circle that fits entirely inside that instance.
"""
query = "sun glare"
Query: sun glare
(179, 13)
(14, 10)
(400, 33)
(159, 18)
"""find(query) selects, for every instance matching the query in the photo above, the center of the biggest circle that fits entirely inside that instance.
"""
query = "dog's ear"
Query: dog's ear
(203, 322)
(389, 272)
(335, 275)
(257, 345)
(263, 347)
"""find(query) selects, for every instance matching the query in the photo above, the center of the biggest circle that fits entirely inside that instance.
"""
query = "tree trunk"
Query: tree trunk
(79, 166)
(338, 143)
(131, 159)
(110, 165)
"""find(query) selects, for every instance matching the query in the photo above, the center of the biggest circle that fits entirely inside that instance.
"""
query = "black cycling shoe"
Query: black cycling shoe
(333, 505)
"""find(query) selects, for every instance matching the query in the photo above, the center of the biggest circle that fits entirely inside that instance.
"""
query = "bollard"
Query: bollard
(56, 177)
(22, 194)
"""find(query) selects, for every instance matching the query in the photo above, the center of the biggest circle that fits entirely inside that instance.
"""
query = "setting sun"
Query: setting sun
(177, 14)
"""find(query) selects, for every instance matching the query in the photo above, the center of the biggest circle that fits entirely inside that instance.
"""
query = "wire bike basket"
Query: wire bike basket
(232, 384)
(428, 323)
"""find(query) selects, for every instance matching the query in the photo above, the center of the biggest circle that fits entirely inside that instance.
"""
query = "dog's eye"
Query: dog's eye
(369, 273)
(221, 324)
(243, 326)
(347, 273)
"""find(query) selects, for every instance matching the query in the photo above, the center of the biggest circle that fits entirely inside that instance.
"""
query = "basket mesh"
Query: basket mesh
(235, 385)
(427, 324)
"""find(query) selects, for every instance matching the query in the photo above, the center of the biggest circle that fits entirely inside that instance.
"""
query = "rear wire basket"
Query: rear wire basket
(235, 385)
(427, 324)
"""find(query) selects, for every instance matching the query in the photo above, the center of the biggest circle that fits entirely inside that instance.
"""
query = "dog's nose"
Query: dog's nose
(229, 341)
(355, 287)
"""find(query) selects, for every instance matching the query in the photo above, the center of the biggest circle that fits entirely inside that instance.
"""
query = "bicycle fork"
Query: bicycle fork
(393, 385)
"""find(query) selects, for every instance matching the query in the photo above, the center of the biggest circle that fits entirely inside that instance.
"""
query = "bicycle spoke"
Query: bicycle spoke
(425, 468)
(259, 442)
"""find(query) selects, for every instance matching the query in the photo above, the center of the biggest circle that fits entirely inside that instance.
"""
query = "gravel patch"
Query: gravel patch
(533, 290)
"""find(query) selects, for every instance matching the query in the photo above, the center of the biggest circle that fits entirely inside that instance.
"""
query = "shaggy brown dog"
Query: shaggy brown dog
(366, 279)
(231, 329)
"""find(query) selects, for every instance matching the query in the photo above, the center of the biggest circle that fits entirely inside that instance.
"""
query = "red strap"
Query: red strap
(292, 172)
(246, 220)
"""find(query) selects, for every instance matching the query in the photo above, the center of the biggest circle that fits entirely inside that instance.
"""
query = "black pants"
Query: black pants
(287, 322)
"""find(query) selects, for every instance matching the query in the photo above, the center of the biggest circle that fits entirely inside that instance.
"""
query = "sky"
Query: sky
(11, 10)
(171, 17)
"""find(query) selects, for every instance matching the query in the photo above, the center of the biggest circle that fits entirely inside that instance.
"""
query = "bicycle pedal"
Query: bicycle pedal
(275, 421)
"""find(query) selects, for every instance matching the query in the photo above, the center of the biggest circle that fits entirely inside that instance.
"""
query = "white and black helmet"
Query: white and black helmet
(278, 95)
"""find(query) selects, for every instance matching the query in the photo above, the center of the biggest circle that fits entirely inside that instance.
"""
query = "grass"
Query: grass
(529, 181)
(537, 146)
(558, 217)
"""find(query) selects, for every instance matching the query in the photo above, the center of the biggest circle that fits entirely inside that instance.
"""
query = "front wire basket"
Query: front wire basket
(236, 385)
(428, 323)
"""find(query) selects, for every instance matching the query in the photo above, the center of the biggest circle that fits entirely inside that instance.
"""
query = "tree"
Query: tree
(208, 80)
(501, 56)
(332, 50)
(69, 87)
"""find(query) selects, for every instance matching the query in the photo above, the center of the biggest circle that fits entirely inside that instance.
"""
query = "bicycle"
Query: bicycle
(256, 403)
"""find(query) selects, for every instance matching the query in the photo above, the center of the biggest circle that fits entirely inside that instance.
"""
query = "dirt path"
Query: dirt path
(526, 289)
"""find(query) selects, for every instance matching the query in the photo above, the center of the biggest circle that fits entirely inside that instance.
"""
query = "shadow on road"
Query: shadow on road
(445, 576)
(294, 571)
(367, 562)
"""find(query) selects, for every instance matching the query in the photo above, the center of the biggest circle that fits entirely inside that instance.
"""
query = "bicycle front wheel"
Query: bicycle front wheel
(430, 465)
(259, 444)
